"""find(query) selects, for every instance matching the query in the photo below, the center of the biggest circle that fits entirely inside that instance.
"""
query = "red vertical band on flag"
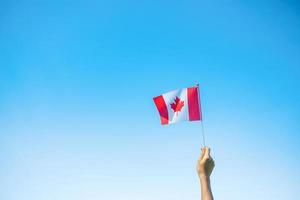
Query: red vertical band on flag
(194, 104)
(162, 109)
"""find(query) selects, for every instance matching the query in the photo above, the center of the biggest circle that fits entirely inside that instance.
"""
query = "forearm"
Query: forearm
(206, 193)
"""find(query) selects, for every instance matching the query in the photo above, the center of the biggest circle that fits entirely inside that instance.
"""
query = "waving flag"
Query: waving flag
(179, 105)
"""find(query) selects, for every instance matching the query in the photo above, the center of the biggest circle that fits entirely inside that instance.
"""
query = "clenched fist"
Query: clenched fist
(205, 164)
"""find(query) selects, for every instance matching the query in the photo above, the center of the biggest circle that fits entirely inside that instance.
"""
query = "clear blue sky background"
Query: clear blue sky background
(77, 79)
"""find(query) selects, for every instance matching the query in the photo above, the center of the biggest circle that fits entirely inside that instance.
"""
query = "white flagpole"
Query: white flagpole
(203, 135)
(202, 126)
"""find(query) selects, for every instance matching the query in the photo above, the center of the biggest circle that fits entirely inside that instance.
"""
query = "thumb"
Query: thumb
(202, 153)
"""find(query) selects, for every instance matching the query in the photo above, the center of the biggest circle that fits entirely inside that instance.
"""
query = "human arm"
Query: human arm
(205, 166)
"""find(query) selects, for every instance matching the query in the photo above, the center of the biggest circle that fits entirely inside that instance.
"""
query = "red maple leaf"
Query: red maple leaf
(177, 105)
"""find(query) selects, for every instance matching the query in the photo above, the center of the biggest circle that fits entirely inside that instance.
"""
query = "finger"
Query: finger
(207, 151)
(213, 164)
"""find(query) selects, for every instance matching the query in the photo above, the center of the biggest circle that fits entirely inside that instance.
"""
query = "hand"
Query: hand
(205, 164)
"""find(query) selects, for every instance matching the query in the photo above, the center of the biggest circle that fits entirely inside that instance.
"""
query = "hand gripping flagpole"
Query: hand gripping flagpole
(202, 126)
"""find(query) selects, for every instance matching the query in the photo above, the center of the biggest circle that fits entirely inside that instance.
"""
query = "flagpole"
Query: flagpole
(202, 126)
(203, 135)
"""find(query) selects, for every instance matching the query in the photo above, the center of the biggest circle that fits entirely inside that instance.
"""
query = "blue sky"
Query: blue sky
(77, 78)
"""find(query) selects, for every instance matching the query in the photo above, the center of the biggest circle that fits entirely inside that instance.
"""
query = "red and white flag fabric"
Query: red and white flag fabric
(179, 105)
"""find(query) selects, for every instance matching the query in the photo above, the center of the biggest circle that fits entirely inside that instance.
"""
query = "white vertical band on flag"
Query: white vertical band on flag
(169, 98)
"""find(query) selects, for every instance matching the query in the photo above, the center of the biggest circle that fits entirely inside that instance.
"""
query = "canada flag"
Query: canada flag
(179, 105)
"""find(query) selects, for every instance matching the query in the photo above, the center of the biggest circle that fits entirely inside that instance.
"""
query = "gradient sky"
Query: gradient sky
(77, 79)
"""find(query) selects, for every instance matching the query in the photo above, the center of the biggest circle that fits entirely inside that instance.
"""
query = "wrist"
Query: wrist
(204, 177)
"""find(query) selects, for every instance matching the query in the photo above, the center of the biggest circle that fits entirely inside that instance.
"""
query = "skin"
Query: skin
(205, 166)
